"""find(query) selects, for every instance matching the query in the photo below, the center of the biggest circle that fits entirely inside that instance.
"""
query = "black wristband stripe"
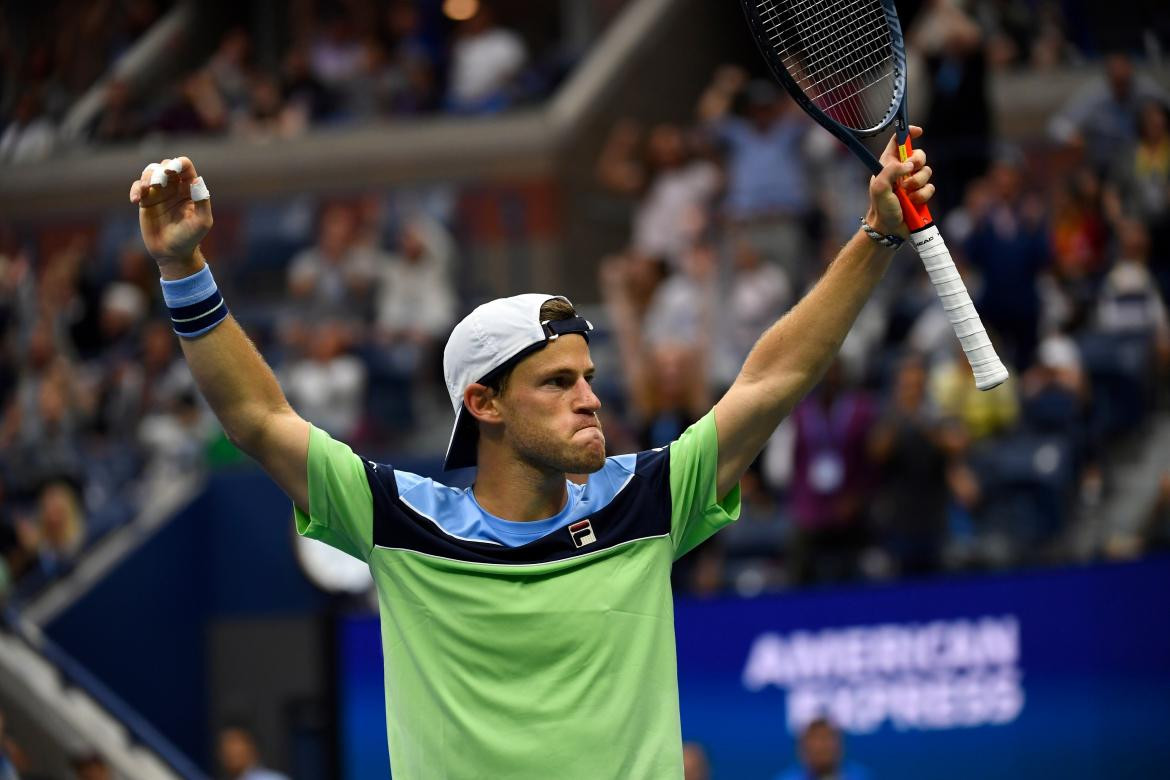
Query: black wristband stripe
(190, 311)
(199, 317)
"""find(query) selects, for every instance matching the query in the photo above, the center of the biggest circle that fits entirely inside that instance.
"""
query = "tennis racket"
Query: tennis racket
(844, 63)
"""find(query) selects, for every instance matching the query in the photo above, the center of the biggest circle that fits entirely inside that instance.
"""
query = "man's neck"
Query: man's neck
(514, 490)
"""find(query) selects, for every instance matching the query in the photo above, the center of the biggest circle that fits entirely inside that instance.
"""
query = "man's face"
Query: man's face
(821, 747)
(549, 409)
(236, 752)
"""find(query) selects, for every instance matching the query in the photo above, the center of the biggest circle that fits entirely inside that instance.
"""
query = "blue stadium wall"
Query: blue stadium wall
(146, 630)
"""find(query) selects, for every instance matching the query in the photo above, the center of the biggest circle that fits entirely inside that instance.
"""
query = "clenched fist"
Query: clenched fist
(172, 223)
(911, 176)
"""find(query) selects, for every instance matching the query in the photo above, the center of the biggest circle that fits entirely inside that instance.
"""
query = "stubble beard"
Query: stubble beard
(543, 451)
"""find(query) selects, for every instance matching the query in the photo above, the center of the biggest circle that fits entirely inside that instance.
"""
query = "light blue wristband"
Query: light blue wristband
(194, 303)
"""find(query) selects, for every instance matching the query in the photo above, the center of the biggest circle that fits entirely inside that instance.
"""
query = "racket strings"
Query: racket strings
(840, 54)
(839, 46)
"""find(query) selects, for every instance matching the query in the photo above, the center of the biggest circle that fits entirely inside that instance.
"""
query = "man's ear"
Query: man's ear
(480, 400)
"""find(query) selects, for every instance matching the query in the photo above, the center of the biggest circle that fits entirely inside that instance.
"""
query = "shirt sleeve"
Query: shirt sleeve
(696, 512)
(341, 507)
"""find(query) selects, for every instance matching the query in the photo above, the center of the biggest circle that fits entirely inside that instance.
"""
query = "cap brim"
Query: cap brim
(462, 446)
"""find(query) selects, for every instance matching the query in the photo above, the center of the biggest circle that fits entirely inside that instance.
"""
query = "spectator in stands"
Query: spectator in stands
(198, 108)
(1140, 186)
(1102, 118)
(675, 187)
(664, 352)
(134, 267)
(239, 756)
(981, 413)
(950, 42)
(822, 755)
(681, 310)
(486, 60)
(695, 763)
(121, 119)
(769, 197)
(63, 303)
(336, 53)
(123, 311)
(1022, 34)
(833, 168)
(333, 279)
(230, 68)
(61, 528)
(91, 766)
(327, 385)
(1079, 230)
(147, 382)
(1129, 300)
(1056, 402)
(1008, 243)
(830, 479)
(1056, 389)
(916, 457)
(416, 302)
(301, 87)
(757, 293)
(18, 541)
(413, 63)
(267, 116)
(39, 432)
(415, 308)
(665, 356)
(175, 436)
(29, 135)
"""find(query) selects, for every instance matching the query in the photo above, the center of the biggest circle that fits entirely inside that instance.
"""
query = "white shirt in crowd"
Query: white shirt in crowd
(670, 216)
(484, 63)
(331, 392)
(417, 295)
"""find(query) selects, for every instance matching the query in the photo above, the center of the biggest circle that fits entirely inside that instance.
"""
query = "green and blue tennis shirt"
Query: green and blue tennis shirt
(526, 650)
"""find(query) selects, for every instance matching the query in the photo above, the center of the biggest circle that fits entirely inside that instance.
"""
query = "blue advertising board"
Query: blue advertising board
(1064, 673)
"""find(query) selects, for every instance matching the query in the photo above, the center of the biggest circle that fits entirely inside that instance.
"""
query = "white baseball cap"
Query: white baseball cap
(490, 340)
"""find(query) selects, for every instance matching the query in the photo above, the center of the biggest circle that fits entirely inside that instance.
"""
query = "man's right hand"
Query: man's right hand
(172, 224)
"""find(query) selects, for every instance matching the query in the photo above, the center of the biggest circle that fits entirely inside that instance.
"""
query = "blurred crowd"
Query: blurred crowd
(334, 64)
(895, 465)
(98, 406)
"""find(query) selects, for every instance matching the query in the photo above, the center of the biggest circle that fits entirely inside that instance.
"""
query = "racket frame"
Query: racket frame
(988, 369)
(917, 217)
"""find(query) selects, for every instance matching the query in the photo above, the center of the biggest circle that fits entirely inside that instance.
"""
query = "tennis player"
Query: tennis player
(527, 623)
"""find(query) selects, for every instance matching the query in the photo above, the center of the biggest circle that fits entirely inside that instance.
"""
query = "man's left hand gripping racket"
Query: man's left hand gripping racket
(844, 63)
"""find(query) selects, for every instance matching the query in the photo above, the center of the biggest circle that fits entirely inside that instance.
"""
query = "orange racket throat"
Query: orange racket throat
(917, 217)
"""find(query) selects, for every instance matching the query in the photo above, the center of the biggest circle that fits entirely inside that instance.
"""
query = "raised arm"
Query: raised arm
(235, 380)
(791, 356)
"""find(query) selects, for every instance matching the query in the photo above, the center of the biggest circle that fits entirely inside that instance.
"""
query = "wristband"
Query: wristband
(885, 239)
(194, 303)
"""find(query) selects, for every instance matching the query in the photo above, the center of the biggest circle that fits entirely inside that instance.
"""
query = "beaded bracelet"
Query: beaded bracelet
(885, 239)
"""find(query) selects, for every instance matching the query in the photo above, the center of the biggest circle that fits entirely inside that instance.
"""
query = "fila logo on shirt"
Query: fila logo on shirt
(582, 533)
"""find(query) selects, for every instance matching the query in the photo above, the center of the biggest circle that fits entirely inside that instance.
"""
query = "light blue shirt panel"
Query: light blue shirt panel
(458, 514)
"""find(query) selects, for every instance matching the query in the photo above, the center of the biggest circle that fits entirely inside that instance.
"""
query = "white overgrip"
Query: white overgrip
(985, 364)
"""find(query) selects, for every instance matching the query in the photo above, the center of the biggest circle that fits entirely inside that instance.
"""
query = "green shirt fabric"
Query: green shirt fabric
(553, 658)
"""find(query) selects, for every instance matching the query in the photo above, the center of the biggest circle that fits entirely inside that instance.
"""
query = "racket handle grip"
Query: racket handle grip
(985, 363)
